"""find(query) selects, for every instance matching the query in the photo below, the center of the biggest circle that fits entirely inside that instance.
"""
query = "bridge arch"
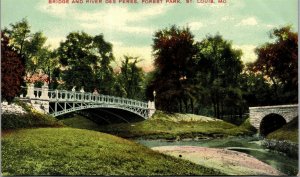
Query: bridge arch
(79, 107)
(262, 116)
(103, 116)
(270, 123)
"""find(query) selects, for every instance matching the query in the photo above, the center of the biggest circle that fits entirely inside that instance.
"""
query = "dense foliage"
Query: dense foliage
(196, 75)
(174, 53)
(12, 70)
(39, 59)
(87, 62)
(131, 79)
(278, 62)
(209, 78)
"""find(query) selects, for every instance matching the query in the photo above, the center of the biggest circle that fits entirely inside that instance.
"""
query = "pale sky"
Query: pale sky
(130, 27)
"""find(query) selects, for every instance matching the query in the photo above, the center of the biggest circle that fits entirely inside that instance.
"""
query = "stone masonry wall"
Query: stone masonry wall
(288, 112)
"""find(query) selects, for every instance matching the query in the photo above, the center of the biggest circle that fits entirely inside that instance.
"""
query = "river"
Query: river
(249, 145)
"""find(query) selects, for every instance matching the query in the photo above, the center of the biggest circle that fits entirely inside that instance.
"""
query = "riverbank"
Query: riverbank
(250, 145)
(167, 126)
(226, 161)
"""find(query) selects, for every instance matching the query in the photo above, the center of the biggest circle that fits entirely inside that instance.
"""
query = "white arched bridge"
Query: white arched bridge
(59, 102)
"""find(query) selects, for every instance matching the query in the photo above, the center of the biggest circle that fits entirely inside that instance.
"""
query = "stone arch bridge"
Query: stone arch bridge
(269, 118)
(59, 102)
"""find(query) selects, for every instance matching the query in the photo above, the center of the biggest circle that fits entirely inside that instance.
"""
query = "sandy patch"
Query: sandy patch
(227, 161)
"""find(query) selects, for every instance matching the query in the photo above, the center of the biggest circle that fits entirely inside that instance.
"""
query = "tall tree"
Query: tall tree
(219, 67)
(278, 61)
(105, 77)
(257, 91)
(88, 58)
(131, 78)
(12, 70)
(174, 50)
(32, 48)
(19, 34)
(26, 43)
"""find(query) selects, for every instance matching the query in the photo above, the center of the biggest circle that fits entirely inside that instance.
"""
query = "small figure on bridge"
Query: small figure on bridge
(95, 92)
(82, 90)
(73, 89)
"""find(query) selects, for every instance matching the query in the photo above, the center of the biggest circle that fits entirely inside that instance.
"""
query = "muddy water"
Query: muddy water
(249, 145)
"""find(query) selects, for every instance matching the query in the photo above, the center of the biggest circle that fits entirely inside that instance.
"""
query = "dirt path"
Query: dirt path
(227, 161)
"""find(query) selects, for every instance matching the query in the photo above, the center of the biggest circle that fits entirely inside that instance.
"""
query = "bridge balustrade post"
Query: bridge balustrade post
(30, 91)
(56, 94)
(45, 90)
(45, 97)
(82, 94)
(151, 108)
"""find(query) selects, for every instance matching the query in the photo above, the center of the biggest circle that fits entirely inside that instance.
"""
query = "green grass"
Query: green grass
(166, 126)
(288, 132)
(80, 122)
(69, 151)
(28, 120)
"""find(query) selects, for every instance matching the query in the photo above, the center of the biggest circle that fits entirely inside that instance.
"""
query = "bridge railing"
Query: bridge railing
(75, 96)
(79, 96)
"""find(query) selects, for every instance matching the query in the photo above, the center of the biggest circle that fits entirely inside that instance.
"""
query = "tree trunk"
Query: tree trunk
(180, 105)
(186, 105)
(192, 105)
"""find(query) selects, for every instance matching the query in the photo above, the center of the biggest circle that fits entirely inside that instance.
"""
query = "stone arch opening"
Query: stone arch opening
(270, 123)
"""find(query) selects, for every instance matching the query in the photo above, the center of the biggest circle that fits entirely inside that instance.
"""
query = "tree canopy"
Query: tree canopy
(174, 50)
(278, 61)
(86, 61)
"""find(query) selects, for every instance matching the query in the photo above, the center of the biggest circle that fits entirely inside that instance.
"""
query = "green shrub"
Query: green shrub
(287, 147)
(23, 104)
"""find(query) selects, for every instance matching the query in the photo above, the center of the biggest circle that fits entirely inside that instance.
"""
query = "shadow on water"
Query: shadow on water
(248, 145)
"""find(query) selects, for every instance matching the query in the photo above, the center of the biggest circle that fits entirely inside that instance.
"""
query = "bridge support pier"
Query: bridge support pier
(259, 114)
(151, 106)
(40, 99)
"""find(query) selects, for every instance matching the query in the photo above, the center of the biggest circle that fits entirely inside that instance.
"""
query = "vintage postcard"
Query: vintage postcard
(149, 88)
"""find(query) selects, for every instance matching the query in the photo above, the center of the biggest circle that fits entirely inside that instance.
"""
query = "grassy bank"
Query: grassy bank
(288, 132)
(167, 126)
(29, 119)
(69, 151)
